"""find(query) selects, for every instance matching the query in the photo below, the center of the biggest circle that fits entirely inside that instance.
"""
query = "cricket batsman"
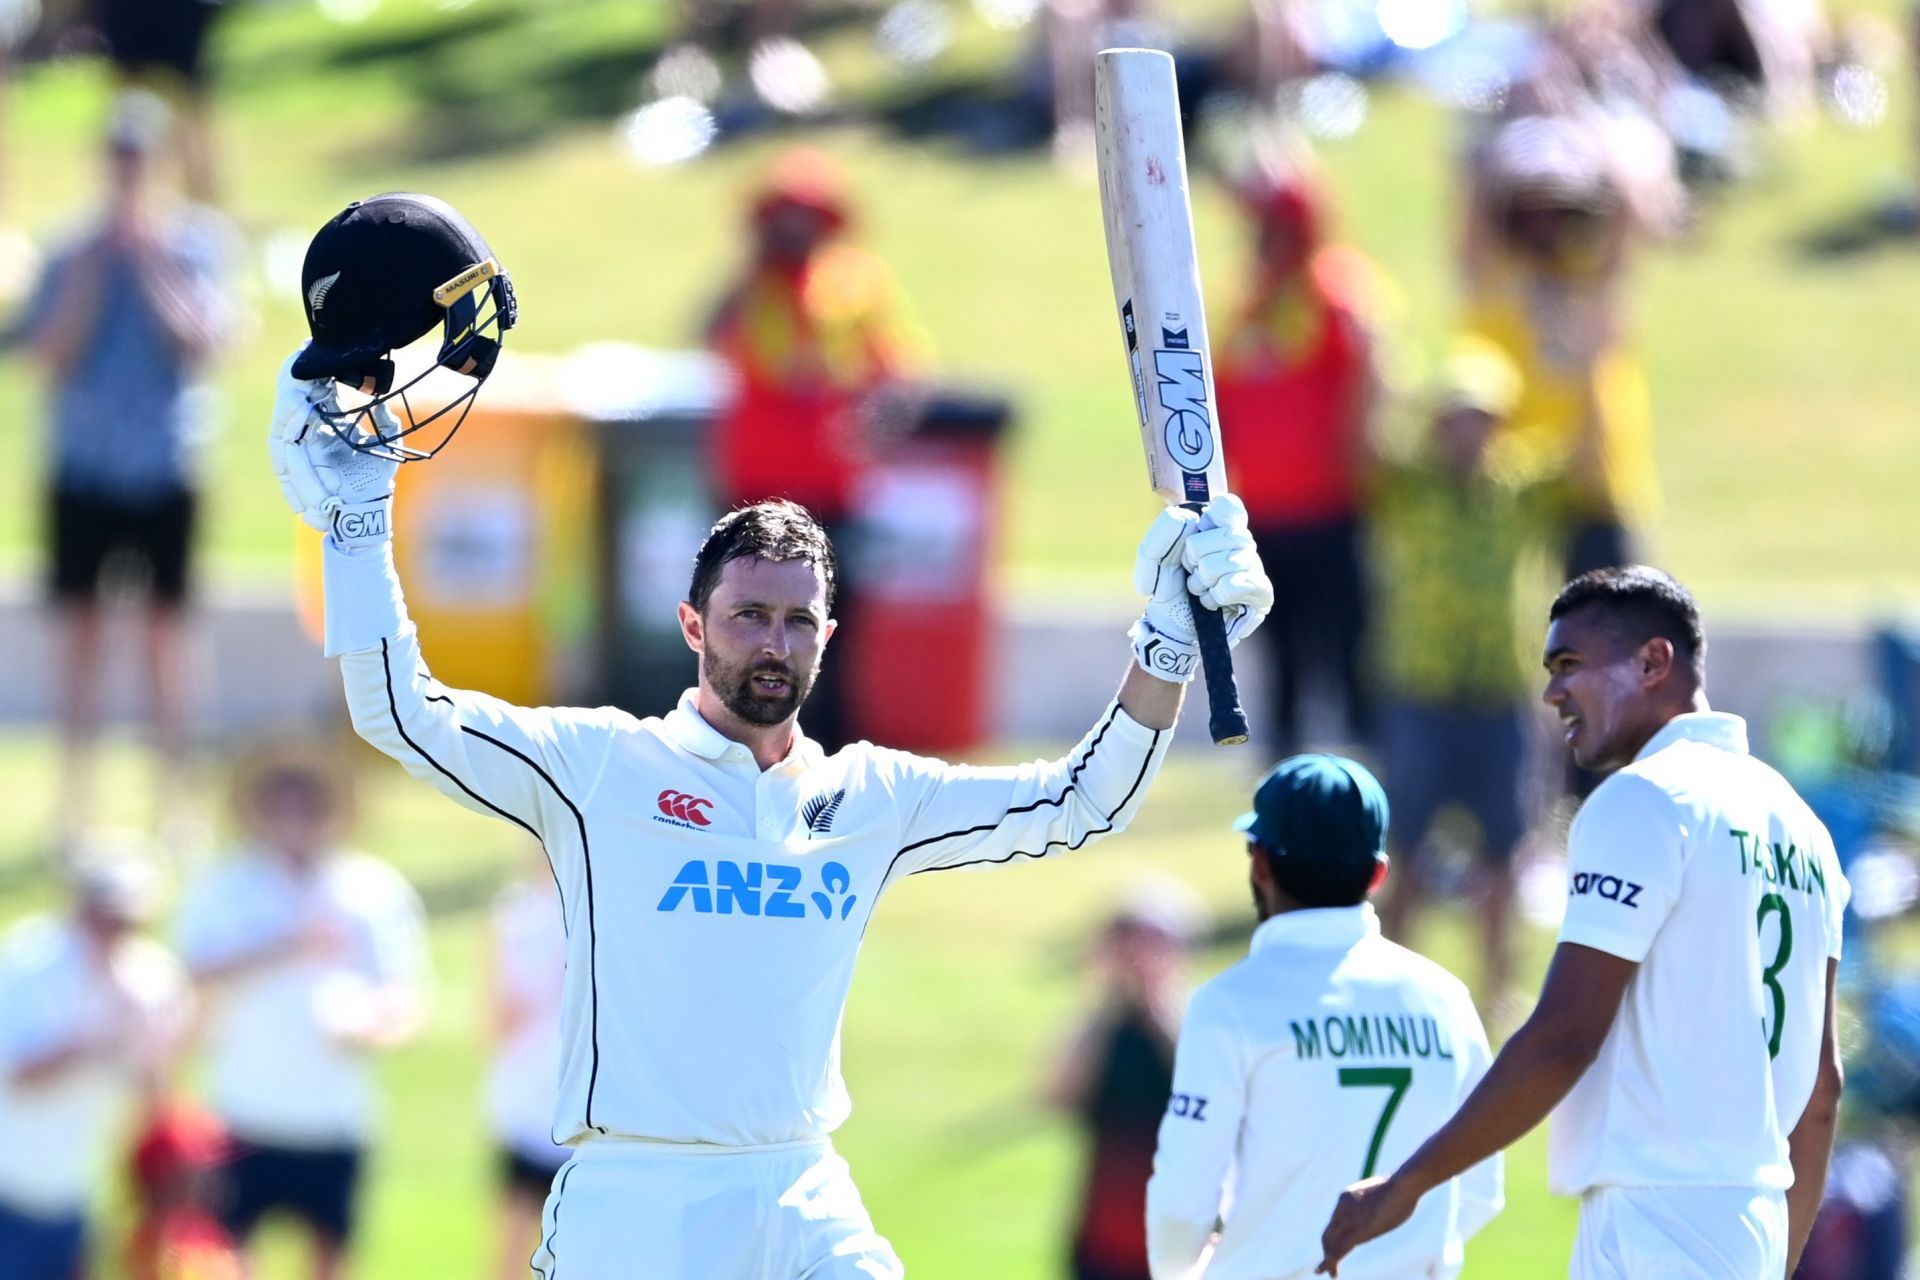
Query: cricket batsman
(1327, 1053)
(716, 869)
(1684, 1038)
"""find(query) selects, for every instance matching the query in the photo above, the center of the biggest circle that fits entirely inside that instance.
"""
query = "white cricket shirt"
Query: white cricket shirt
(529, 967)
(1700, 863)
(55, 991)
(277, 1072)
(1327, 1055)
(713, 910)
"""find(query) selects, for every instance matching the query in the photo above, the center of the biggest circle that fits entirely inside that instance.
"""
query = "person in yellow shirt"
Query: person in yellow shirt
(1452, 519)
(1551, 231)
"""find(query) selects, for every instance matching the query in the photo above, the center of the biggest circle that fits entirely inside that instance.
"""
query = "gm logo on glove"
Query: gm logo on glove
(359, 526)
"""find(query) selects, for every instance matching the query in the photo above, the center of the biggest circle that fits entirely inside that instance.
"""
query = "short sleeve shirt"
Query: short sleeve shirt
(1700, 864)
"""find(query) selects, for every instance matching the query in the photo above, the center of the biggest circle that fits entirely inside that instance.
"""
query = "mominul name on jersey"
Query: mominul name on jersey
(1370, 1035)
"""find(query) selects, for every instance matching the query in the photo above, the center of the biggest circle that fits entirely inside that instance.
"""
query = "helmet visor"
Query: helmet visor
(425, 409)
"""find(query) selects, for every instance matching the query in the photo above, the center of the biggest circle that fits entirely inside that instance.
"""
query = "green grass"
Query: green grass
(966, 987)
(1784, 387)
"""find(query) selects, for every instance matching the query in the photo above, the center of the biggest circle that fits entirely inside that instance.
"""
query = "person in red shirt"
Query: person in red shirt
(178, 1236)
(824, 357)
(1295, 376)
(1117, 1072)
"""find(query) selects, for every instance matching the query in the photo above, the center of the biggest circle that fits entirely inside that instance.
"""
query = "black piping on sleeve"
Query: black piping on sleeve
(1073, 778)
(586, 857)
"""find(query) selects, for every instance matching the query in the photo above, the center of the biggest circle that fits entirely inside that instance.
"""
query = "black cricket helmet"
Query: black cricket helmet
(379, 276)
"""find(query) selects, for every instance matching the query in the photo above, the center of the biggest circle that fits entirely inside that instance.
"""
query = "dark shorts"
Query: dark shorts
(1437, 755)
(95, 540)
(522, 1174)
(34, 1248)
(318, 1186)
(168, 34)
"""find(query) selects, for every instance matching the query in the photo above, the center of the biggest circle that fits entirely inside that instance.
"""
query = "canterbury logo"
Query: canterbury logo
(317, 295)
(686, 808)
(818, 812)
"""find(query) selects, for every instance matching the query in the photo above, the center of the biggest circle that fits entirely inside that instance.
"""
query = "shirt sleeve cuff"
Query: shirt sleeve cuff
(364, 604)
(1615, 942)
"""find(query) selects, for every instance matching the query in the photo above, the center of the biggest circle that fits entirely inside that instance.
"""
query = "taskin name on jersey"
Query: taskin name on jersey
(1785, 865)
(1370, 1035)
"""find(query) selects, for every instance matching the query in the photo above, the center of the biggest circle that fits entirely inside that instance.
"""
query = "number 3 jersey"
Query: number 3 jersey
(1702, 865)
(1327, 1055)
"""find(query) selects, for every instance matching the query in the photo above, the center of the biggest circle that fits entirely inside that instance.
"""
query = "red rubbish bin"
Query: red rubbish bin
(922, 641)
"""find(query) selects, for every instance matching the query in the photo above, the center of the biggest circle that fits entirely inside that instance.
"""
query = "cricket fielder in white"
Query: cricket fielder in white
(1684, 1039)
(1325, 1054)
(717, 870)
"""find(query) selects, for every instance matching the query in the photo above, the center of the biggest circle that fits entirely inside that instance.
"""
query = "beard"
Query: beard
(1261, 913)
(734, 686)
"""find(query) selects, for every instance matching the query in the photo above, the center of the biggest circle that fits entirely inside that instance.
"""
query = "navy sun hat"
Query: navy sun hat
(1323, 817)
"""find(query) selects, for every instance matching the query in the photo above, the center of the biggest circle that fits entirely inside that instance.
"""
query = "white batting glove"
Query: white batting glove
(328, 483)
(1163, 638)
(1224, 570)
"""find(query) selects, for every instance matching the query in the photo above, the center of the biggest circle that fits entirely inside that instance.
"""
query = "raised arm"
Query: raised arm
(960, 815)
(535, 768)
(65, 310)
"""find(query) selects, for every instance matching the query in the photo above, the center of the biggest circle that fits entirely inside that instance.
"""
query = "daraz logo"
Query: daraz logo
(770, 889)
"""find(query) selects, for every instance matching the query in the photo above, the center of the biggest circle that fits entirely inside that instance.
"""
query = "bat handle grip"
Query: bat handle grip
(1225, 720)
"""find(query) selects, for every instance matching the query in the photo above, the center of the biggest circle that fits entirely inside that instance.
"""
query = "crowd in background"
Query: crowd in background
(1408, 526)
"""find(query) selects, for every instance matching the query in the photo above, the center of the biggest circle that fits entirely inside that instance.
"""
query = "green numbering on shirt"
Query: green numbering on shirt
(1774, 904)
(1396, 1079)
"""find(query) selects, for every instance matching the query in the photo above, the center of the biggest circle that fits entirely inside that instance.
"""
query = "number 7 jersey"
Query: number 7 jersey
(1327, 1055)
(1701, 864)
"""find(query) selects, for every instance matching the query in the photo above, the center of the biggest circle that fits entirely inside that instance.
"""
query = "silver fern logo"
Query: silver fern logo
(317, 294)
(818, 812)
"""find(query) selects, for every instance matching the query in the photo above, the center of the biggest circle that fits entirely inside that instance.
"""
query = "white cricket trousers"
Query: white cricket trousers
(630, 1210)
(1681, 1233)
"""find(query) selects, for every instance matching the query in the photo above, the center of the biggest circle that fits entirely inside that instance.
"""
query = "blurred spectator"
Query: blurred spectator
(1452, 523)
(91, 1013)
(18, 19)
(1296, 377)
(1861, 1230)
(160, 46)
(817, 335)
(124, 322)
(1075, 31)
(311, 958)
(529, 962)
(782, 74)
(1550, 236)
(1117, 1073)
(176, 1235)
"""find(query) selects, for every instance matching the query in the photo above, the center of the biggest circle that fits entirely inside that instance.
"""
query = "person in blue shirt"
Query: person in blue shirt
(123, 324)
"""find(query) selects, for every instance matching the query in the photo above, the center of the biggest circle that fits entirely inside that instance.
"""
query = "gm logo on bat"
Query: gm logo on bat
(1182, 372)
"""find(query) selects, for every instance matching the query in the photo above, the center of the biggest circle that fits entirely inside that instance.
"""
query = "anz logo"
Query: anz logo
(725, 888)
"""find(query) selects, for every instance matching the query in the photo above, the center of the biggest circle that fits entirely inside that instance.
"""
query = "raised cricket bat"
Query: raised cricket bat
(1156, 286)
